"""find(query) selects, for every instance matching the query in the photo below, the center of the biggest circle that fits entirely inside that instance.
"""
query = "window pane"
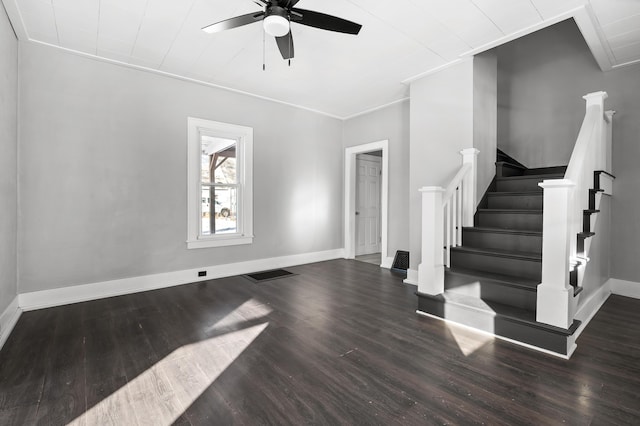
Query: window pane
(219, 210)
(218, 160)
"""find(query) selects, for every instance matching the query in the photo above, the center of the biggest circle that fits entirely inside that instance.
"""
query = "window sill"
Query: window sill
(219, 242)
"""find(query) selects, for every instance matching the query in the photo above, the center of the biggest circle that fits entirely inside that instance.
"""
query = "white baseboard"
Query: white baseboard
(506, 339)
(82, 293)
(387, 262)
(625, 288)
(8, 320)
(590, 307)
(412, 277)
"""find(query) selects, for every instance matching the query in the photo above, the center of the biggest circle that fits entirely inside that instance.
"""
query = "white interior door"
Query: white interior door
(368, 177)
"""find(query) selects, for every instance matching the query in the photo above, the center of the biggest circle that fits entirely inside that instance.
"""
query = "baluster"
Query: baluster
(459, 219)
(448, 230)
(454, 217)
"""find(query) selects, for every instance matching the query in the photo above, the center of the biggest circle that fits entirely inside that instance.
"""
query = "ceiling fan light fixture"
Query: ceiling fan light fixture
(276, 23)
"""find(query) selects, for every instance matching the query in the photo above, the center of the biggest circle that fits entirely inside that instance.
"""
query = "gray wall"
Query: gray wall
(391, 123)
(103, 172)
(8, 161)
(485, 112)
(542, 78)
(623, 87)
(441, 125)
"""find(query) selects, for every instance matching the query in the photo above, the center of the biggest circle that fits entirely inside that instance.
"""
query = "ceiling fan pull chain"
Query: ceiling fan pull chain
(264, 67)
(290, 39)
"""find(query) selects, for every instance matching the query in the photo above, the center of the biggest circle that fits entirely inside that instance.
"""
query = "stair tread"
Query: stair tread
(533, 211)
(500, 253)
(503, 156)
(514, 193)
(515, 281)
(499, 309)
(501, 230)
(529, 177)
(517, 166)
(604, 172)
(586, 234)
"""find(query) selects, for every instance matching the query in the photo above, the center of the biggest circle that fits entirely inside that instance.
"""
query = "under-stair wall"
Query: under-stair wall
(598, 270)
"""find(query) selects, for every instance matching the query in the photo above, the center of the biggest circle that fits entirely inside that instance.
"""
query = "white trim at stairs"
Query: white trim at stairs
(412, 277)
(590, 307)
(625, 288)
(82, 293)
(8, 320)
(506, 339)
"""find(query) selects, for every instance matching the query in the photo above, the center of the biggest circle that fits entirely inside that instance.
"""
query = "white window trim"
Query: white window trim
(244, 137)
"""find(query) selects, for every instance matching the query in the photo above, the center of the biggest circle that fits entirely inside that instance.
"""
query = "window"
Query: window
(220, 184)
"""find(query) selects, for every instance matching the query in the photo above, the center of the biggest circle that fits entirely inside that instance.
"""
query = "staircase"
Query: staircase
(492, 280)
(506, 265)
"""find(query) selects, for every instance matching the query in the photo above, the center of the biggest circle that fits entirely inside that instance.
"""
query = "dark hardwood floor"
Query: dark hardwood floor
(339, 343)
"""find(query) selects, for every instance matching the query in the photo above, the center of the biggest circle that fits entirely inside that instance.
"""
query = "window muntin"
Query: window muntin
(219, 185)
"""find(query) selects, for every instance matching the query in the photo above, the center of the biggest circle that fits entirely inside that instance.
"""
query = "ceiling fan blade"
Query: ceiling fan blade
(324, 22)
(290, 3)
(285, 44)
(238, 21)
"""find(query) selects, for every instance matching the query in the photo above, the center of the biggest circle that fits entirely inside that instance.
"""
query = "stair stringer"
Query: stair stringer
(602, 186)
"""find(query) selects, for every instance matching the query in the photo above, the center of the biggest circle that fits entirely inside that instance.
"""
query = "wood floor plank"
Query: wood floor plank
(63, 393)
(339, 344)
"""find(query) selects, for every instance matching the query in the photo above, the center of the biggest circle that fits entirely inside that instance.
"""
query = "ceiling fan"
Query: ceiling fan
(277, 17)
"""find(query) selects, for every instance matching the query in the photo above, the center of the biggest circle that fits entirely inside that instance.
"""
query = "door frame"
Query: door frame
(350, 198)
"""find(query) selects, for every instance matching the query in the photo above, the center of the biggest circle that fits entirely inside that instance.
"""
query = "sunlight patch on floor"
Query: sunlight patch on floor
(470, 339)
(250, 310)
(163, 392)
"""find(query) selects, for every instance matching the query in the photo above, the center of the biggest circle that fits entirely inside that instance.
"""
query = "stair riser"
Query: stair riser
(588, 222)
(505, 169)
(506, 220)
(533, 202)
(518, 185)
(554, 170)
(502, 241)
(499, 326)
(498, 265)
(490, 291)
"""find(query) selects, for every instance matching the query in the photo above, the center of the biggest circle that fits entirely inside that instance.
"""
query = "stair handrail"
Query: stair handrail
(445, 211)
(565, 201)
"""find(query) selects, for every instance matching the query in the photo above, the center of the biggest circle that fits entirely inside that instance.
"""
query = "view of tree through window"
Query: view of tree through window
(219, 182)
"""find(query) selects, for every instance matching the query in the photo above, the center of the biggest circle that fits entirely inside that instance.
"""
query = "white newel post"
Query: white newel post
(431, 270)
(607, 147)
(469, 190)
(555, 292)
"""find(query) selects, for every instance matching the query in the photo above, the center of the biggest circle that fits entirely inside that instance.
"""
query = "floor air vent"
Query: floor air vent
(258, 277)
(401, 261)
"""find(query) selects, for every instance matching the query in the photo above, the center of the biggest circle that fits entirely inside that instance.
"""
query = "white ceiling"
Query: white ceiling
(336, 74)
